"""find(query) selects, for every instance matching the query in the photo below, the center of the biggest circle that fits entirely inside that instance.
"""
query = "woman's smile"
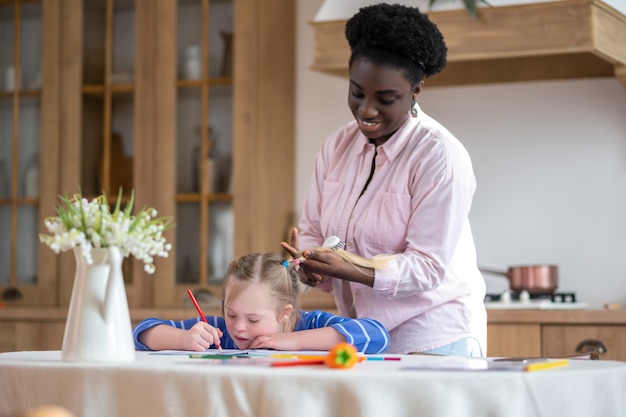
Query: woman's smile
(368, 127)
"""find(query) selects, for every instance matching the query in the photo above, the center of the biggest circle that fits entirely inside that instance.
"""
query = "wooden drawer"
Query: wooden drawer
(17, 336)
(562, 340)
(514, 339)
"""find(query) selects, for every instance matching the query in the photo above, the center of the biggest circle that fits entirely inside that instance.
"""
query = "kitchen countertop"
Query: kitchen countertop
(318, 300)
(557, 316)
(56, 314)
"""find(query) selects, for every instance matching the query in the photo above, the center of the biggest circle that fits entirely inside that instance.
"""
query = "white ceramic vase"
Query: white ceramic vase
(98, 326)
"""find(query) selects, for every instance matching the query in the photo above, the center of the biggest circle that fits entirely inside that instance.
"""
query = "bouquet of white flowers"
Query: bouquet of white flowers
(91, 224)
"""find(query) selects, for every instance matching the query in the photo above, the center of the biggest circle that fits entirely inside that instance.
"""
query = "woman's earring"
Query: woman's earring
(414, 108)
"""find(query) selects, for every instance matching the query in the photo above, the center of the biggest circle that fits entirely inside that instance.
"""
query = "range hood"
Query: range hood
(563, 39)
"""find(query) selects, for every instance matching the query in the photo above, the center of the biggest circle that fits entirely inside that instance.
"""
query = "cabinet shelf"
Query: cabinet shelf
(539, 41)
(20, 201)
(98, 89)
(200, 83)
(21, 93)
(197, 197)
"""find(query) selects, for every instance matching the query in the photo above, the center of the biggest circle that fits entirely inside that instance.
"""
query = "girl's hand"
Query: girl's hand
(200, 337)
(313, 339)
(277, 341)
(309, 278)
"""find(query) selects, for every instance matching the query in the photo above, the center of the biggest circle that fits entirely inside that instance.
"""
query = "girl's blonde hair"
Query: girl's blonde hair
(269, 269)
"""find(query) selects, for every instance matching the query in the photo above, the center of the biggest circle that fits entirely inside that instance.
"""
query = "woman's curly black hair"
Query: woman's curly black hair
(398, 36)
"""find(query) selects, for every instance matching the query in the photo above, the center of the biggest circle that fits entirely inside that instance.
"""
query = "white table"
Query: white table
(158, 385)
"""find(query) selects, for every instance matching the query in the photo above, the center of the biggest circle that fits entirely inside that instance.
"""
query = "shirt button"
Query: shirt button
(357, 293)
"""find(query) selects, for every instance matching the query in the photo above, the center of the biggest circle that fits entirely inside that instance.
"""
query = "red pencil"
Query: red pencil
(195, 303)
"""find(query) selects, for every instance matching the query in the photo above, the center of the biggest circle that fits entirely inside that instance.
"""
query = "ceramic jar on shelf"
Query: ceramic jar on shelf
(192, 69)
(211, 165)
(31, 177)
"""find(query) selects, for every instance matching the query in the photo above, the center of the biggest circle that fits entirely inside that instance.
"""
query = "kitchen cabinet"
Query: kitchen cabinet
(526, 42)
(130, 93)
(554, 333)
(514, 333)
(29, 141)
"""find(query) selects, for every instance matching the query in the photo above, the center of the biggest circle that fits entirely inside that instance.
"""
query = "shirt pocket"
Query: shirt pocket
(330, 210)
(385, 223)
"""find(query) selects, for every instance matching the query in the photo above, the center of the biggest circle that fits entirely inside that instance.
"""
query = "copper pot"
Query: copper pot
(536, 279)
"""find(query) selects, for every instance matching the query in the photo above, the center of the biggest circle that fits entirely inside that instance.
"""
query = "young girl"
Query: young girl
(260, 311)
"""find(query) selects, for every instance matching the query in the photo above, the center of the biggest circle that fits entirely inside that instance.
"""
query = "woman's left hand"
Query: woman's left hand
(306, 277)
(332, 264)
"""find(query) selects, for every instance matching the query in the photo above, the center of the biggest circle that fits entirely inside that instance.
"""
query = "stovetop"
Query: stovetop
(524, 300)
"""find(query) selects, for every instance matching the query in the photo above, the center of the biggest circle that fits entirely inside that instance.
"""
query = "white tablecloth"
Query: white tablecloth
(159, 385)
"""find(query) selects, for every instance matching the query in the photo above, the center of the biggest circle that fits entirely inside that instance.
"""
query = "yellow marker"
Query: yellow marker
(540, 366)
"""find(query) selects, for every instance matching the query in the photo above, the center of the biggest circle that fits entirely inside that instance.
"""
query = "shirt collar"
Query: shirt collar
(398, 141)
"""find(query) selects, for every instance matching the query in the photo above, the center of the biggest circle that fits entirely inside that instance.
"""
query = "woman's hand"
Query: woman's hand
(306, 277)
(330, 263)
(200, 337)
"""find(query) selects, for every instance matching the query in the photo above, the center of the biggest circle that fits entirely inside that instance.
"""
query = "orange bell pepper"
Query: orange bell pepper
(343, 356)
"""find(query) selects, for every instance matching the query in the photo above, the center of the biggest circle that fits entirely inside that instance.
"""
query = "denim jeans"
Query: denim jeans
(468, 346)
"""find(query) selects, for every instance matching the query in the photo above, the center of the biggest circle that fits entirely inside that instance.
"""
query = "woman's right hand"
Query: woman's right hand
(309, 278)
(200, 337)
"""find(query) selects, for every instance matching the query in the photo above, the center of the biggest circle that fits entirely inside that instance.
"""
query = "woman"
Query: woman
(396, 182)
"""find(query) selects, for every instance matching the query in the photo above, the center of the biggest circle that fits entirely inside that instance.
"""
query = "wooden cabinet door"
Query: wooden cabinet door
(31, 335)
(29, 155)
(514, 340)
(562, 340)
(118, 76)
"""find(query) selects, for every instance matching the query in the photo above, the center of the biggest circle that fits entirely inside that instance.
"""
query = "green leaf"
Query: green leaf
(129, 207)
(471, 7)
(119, 202)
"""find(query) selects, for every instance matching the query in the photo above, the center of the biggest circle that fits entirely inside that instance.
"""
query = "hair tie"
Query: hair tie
(296, 262)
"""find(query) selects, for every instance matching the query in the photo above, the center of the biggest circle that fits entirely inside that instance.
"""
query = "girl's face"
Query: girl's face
(252, 313)
(380, 99)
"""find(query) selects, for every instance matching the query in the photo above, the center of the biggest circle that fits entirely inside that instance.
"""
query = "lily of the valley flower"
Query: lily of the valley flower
(91, 224)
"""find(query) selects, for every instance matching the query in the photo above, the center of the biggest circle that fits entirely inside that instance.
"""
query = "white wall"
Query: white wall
(550, 160)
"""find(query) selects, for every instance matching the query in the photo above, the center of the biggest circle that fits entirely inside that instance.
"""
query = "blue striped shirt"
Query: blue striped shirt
(367, 335)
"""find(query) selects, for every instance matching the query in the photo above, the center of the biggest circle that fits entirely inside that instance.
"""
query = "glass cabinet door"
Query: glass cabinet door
(205, 225)
(108, 51)
(98, 86)
(20, 153)
(120, 117)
